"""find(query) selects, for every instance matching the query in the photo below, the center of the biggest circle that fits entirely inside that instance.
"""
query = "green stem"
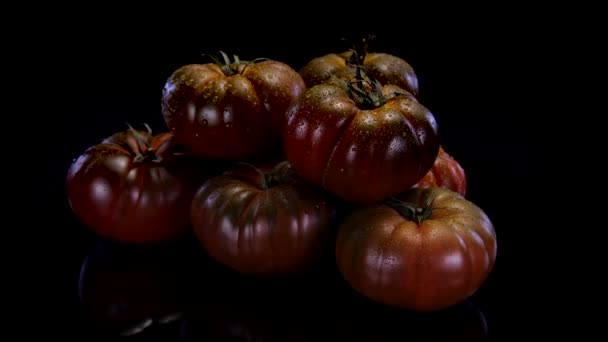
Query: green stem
(412, 211)
(267, 179)
(141, 146)
(236, 66)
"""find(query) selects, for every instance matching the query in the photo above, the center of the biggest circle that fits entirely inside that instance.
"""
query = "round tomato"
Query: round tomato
(256, 221)
(446, 173)
(386, 68)
(132, 188)
(426, 249)
(231, 111)
(363, 143)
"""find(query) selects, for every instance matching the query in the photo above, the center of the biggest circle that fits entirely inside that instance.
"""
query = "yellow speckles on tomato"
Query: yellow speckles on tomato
(241, 114)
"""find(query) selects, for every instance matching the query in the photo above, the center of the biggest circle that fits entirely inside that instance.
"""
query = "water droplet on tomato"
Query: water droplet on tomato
(204, 122)
(196, 135)
(228, 124)
(227, 114)
(341, 170)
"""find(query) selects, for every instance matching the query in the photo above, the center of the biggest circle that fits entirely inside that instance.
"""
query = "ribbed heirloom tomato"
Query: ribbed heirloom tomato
(230, 111)
(132, 188)
(386, 68)
(423, 250)
(362, 141)
(446, 173)
(262, 222)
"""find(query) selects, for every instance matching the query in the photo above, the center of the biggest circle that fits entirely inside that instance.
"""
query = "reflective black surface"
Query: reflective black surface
(177, 292)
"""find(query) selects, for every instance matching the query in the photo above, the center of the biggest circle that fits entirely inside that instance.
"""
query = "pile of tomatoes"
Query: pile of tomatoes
(270, 167)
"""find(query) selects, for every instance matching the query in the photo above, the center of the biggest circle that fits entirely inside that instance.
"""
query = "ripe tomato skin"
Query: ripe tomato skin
(447, 173)
(231, 112)
(360, 155)
(255, 226)
(422, 266)
(386, 68)
(123, 198)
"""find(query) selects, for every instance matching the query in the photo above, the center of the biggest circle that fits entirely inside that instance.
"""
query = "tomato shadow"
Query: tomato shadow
(176, 292)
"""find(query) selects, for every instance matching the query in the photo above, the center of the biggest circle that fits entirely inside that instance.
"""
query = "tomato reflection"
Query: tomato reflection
(315, 307)
(178, 293)
(463, 322)
(246, 309)
(128, 289)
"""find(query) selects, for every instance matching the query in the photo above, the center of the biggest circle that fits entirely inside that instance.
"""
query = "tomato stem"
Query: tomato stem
(140, 145)
(236, 66)
(365, 90)
(411, 211)
(275, 177)
(361, 47)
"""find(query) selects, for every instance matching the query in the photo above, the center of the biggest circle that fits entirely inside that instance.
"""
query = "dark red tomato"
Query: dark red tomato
(259, 222)
(131, 188)
(427, 249)
(359, 145)
(446, 173)
(234, 111)
(386, 68)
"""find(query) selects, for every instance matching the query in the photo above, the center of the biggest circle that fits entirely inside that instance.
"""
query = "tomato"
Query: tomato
(363, 143)
(262, 222)
(234, 111)
(426, 249)
(447, 173)
(386, 68)
(132, 188)
(125, 289)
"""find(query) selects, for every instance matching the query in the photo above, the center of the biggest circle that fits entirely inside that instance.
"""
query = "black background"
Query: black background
(482, 76)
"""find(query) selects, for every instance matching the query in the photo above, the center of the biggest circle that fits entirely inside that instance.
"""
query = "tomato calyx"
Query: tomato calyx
(234, 67)
(267, 179)
(411, 211)
(363, 89)
(360, 50)
(143, 146)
